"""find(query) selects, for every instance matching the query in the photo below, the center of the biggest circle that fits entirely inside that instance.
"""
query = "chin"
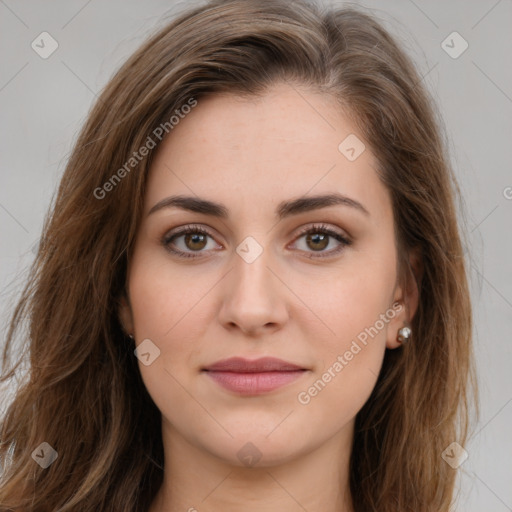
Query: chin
(252, 448)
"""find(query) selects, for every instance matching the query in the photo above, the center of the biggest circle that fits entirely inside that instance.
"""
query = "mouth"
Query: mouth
(246, 377)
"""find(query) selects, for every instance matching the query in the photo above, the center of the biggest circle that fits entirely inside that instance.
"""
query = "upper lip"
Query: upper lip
(241, 365)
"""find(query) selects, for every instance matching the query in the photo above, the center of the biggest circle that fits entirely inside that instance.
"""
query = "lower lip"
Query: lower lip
(254, 383)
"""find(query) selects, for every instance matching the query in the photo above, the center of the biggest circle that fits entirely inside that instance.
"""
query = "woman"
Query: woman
(251, 290)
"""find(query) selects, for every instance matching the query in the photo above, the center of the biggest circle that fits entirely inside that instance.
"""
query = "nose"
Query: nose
(254, 298)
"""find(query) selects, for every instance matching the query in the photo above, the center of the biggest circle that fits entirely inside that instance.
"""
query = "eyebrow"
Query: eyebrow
(283, 210)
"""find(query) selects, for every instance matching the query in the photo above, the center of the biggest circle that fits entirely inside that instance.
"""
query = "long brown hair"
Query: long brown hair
(83, 393)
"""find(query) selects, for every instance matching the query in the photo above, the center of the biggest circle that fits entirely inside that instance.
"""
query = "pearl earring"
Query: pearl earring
(404, 334)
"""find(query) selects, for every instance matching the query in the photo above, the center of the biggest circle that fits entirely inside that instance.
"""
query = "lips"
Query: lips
(264, 364)
(245, 377)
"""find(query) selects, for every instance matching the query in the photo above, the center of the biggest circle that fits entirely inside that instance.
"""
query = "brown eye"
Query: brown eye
(187, 241)
(318, 238)
(317, 241)
(195, 241)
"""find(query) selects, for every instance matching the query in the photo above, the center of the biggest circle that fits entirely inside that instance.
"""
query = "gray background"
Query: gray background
(45, 101)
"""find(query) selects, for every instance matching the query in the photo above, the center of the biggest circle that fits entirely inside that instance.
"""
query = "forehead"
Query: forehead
(258, 151)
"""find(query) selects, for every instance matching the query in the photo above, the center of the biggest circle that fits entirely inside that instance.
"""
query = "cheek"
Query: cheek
(357, 312)
(164, 296)
(353, 299)
(169, 308)
(349, 362)
(163, 312)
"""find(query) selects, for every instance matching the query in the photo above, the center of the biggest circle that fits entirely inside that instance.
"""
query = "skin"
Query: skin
(289, 303)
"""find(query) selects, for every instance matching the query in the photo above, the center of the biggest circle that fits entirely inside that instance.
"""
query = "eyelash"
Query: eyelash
(315, 229)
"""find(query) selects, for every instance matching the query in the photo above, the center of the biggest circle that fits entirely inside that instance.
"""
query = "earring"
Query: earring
(404, 334)
(130, 336)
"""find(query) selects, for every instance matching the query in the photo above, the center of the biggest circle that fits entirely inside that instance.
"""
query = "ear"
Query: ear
(407, 296)
(125, 315)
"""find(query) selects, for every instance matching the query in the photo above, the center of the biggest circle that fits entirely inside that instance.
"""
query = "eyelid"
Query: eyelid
(189, 227)
(321, 226)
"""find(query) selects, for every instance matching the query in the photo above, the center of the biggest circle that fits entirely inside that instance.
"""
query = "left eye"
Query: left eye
(195, 239)
(318, 238)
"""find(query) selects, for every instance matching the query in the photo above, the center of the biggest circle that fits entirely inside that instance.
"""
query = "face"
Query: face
(310, 283)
